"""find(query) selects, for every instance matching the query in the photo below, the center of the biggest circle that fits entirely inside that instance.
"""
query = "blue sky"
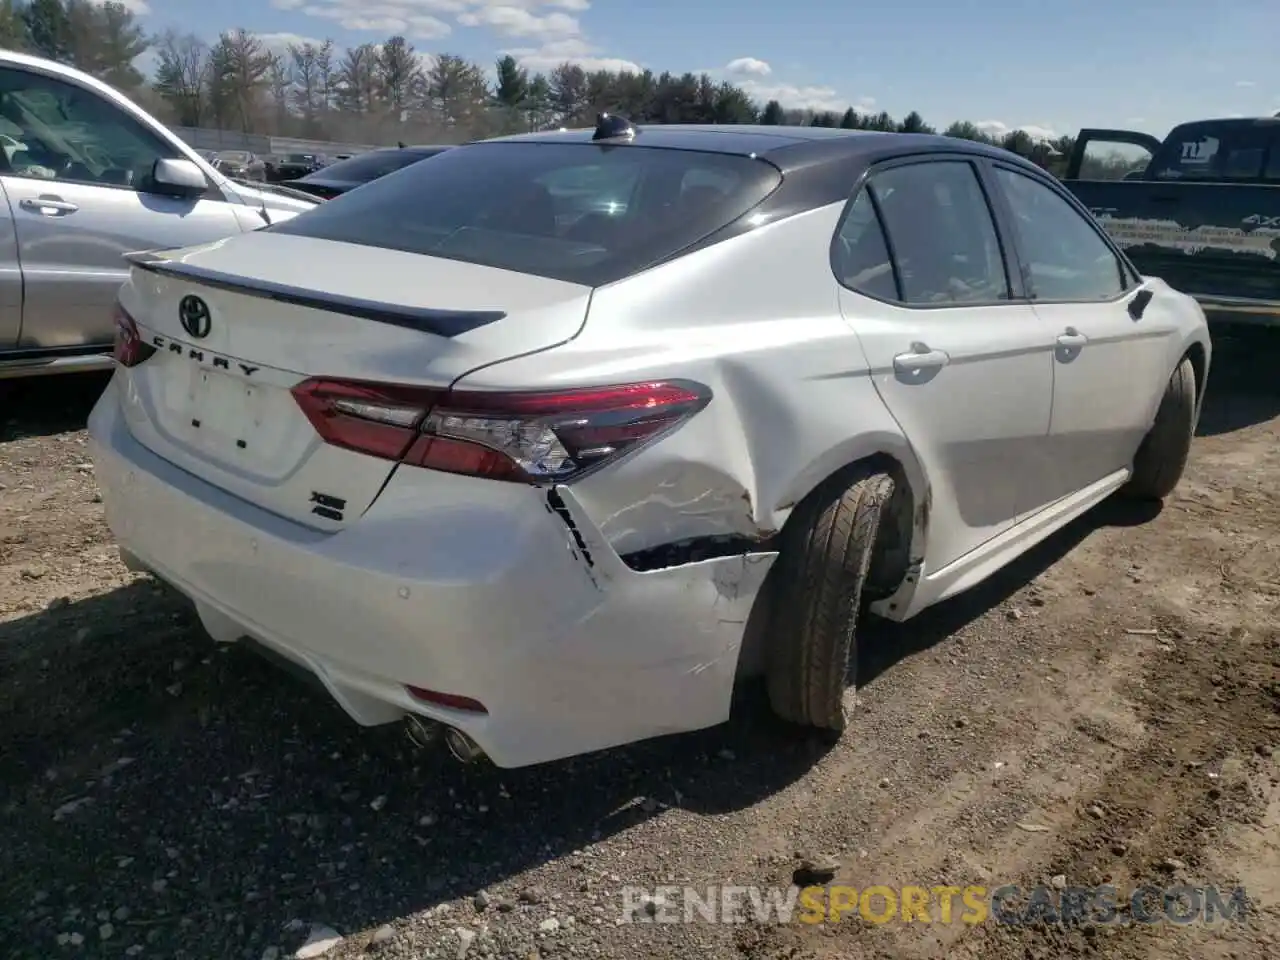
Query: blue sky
(1144, 64)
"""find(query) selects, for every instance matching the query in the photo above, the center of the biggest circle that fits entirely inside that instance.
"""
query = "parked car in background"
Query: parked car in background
(640, 390)
(72, 207)
(1200, 209)
(337, 178)
(291, 166)
(242, 165)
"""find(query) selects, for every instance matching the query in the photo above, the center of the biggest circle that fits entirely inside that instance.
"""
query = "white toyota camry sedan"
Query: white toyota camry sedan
(549, 441)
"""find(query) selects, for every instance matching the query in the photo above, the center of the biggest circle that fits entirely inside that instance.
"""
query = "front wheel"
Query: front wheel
(1162, 457)
(821, 568)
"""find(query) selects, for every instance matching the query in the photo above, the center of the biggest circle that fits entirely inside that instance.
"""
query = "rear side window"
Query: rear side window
(579, 212)
(941, 234)
(1224, 151)
(861, 259)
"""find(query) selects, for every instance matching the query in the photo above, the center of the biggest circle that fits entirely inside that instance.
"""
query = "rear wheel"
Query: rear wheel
(1162, 457)
(825, 555)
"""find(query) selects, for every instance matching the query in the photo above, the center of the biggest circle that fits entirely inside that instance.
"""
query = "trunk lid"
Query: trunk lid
(215, 398)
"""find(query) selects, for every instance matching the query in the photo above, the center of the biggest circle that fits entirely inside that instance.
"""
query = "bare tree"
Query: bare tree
(326, 74)
(357, 79)
(280, 84)
(241, 68)
(182, 76)
(398, 76)
(457, 90)
(307, 91)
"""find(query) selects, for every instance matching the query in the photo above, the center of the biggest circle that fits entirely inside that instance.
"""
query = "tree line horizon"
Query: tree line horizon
(388, 92)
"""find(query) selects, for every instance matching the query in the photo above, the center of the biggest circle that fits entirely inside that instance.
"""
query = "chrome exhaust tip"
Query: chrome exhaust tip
(420, 733)
(463, 748)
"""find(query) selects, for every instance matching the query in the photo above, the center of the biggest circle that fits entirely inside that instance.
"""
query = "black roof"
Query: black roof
(410, 148)
(785, 146)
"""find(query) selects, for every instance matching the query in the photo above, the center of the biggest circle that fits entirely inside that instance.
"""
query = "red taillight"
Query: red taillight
(524, 437)
(129, 349)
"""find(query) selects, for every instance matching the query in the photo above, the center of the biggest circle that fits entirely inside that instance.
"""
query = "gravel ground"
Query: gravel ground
(1102, 711)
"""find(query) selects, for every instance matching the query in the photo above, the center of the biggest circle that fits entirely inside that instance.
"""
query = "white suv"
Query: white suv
(86, 176)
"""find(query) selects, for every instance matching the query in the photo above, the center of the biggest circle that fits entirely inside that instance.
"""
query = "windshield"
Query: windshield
(594, 213)
(374, 164)
(234, 156)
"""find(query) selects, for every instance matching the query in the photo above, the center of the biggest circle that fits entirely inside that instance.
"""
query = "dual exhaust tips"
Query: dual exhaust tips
(425, 733)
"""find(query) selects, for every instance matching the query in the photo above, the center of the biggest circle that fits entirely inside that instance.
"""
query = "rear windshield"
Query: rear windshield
(570, 211)
(372, 165)
(1221, 151)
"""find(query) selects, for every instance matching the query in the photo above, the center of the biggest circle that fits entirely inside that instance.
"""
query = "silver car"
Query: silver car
(86, 176)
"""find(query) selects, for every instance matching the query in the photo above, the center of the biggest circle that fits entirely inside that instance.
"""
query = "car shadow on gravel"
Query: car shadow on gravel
(201, 786)
(1243, 388)
(43, 406)
(882, 643)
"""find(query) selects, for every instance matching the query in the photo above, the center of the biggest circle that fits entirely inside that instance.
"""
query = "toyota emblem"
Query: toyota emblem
(193, 313)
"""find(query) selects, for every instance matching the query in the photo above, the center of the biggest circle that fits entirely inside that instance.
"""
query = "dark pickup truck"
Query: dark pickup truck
(1200, 209)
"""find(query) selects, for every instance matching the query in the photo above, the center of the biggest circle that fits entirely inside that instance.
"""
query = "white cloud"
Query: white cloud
(749, 66)
(810, 97)
(408, 17)
(575, 50)
(998, 128)
(147, 62)
(281, 42)
(516, 22)
(748, 73)
(1245, 83)
(138, 7)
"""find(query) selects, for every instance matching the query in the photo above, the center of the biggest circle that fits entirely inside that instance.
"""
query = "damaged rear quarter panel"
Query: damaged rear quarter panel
(757, 319)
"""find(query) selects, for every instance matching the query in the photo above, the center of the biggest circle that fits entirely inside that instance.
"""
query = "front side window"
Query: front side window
(58, 131)
(579, 212)
(941, 233)
(1065, 257)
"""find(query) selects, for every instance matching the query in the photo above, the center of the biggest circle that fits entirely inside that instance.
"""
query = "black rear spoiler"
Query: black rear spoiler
(442, 323)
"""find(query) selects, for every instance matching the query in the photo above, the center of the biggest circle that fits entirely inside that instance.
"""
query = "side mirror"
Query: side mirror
(1138, 305)
(178, 178)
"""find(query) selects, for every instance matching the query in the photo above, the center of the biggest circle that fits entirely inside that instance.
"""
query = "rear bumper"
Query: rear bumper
(467, 587)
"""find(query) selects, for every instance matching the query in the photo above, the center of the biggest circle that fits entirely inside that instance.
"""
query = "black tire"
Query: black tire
(824, 557)
(1162, 457)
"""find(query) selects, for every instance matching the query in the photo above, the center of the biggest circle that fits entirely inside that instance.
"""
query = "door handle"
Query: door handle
(48, 206)
(920, 358)
(1072, 338)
